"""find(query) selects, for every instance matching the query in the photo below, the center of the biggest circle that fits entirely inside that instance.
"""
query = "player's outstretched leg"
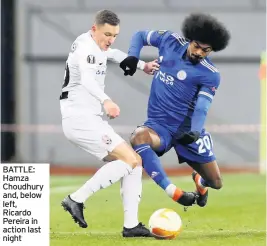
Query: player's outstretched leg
(143, 142)
(154, 169)
(138, 231)
(202, 190)
(76, 211)
(107, 175)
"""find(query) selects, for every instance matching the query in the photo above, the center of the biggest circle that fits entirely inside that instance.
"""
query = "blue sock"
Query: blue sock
(152, 165)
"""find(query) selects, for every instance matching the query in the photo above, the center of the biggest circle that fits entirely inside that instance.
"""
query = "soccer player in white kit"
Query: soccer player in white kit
(81, 105)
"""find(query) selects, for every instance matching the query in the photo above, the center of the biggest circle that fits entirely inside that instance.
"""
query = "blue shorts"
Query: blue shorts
(200, 151)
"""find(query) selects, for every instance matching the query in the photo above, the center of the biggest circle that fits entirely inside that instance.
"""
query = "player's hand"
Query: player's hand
(151, 67)
(129, 65)
(188, 137)
(112, 110)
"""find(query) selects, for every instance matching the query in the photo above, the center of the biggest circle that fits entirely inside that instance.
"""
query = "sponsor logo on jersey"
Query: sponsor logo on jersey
(165, 78)
(98, 72)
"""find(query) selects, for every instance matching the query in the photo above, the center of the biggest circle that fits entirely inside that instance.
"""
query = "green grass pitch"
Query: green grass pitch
(235, 215)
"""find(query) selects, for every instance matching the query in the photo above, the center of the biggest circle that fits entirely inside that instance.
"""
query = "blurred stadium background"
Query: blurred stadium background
(36, 37)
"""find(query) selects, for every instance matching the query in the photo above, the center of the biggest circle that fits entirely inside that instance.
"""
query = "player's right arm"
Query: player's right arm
(88, 70)
(139, 40)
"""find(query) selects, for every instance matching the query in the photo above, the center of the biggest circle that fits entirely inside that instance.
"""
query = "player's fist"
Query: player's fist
(112, 110)
(188, 137)
(151, 67)
(129, 65)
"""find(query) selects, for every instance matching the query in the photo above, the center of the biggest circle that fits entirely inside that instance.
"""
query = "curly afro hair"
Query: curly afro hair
(207, 30)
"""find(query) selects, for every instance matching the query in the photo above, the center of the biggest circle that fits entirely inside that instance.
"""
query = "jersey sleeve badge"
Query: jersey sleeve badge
(160, 32)
(73, 47)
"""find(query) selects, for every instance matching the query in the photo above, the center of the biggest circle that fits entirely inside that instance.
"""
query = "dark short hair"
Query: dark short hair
(106, 16)
(207, 30)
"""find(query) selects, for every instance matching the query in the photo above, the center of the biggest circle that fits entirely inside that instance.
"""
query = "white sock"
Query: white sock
(107, 175)
(131, 190)
(170, 190)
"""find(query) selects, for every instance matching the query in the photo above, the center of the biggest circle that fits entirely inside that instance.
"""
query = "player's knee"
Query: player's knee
(137, 161)
(133, 160)
(216, 183)
(140, 136)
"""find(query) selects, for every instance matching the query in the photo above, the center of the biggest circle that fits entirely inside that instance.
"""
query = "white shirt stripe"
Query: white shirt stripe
(141, 148)
(215, 69)
(206, 94)
(209, 66)
(148, 37)
(181, 40)
(148, 147)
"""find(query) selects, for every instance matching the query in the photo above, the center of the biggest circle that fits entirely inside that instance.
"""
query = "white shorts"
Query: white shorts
(92, 134)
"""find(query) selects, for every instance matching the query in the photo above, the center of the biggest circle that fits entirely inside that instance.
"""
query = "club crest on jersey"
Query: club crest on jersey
(106, 139)
(91, 59)
(181, 75)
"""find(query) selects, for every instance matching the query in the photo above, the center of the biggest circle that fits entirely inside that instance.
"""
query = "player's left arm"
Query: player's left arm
(117, 56)
(204, 101)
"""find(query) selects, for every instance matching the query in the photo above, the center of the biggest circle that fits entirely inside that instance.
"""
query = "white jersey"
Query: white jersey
(85, 75)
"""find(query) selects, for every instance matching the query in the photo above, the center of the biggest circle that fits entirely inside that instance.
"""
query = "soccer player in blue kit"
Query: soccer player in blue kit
(180, 97)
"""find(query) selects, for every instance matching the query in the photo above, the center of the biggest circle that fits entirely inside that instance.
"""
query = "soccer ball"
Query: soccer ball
(165, 224)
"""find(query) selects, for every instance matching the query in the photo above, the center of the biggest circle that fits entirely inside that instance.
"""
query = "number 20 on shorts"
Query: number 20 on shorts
(204, 144)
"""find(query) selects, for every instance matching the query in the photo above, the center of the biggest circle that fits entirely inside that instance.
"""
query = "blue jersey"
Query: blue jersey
(178, 84)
